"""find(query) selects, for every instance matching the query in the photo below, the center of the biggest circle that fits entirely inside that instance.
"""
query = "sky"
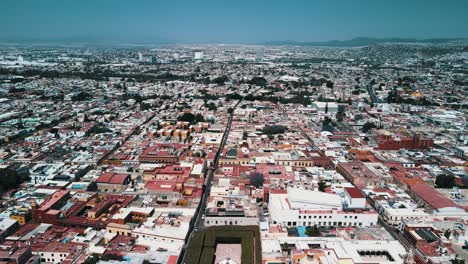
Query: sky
(230, 21)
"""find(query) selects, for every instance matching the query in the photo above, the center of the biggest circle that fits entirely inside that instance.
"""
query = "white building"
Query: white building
(230, 220)
(230, 206)
(462, 152)
(198, 55)
(321, 106)
(299, 207)
(57, 252)
(395, 216)
(338, 250)
(42, 172)
(354, 199)
(7, 227)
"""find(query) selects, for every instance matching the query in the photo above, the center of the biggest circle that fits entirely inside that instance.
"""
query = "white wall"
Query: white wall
(214, 221)
(325, 218)
(354, 202)
(53, 257)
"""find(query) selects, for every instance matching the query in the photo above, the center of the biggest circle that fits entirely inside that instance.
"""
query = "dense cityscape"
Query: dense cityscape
(234, 154)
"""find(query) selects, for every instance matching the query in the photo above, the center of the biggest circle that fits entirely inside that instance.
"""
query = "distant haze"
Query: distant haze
(230, 21)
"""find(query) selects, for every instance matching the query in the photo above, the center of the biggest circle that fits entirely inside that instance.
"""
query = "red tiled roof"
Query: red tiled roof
(119, 178)
(58, 247)
(431, 196)
(113, 178)
(54, 198)
(172, 259)
(171, 169)
(25, 229)
(354, 192)
(278, 191)
(169, 186)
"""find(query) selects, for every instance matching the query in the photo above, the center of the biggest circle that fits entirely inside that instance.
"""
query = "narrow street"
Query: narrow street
(126, 138)
(198, 222)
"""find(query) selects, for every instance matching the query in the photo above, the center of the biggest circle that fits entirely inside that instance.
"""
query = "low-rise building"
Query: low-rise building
(298, 207)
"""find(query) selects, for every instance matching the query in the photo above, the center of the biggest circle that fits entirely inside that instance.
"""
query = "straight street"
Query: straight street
(198, 222)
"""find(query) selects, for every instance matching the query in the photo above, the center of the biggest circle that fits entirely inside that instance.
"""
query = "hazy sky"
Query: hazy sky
(231, 21)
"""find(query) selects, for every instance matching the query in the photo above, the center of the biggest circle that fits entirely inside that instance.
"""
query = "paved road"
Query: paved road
(46, 127)
(210, 173)
(396, 234)
(198, 222)
(373, 97)
(137, 129)
(393, 232)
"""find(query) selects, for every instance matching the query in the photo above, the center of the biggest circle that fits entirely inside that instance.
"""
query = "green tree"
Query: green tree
(220, 80)
(339, 116)
(322, 186)
(368, 126)
(327, 124)
(211, 106)
(93, 259)
(83, 96)
(456, 260)
(445, 181)
(191, 118)
(257, 179)
(313, 231)
(447, 233)
(274, 129)
(10, 179)
(98, 128)
(259, 81)
(107, 257)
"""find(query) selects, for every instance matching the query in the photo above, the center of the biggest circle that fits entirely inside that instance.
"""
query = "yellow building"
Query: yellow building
(22, 216)
(119, 229)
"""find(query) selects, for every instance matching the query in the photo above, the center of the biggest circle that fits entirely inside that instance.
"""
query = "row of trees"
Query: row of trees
(257, 179)
(82, 96)
(211, 106)
(299, 98)
(396, 98)
(368, 126)
(10, 179)
(312, 231)
(327, 124)
(191, 118)
(101, 75)
(274, 129)
(95, 258)
(98, 128)
(445, 181)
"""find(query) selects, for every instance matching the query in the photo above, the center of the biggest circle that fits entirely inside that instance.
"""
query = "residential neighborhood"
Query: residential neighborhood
(264, 153)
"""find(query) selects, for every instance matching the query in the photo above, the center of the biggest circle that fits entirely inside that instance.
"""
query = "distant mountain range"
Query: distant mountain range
(363, 41)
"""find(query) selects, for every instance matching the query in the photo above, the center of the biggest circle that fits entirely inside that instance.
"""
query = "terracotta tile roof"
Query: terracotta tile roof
(354, 192)
(112, 178)
(431, 196)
